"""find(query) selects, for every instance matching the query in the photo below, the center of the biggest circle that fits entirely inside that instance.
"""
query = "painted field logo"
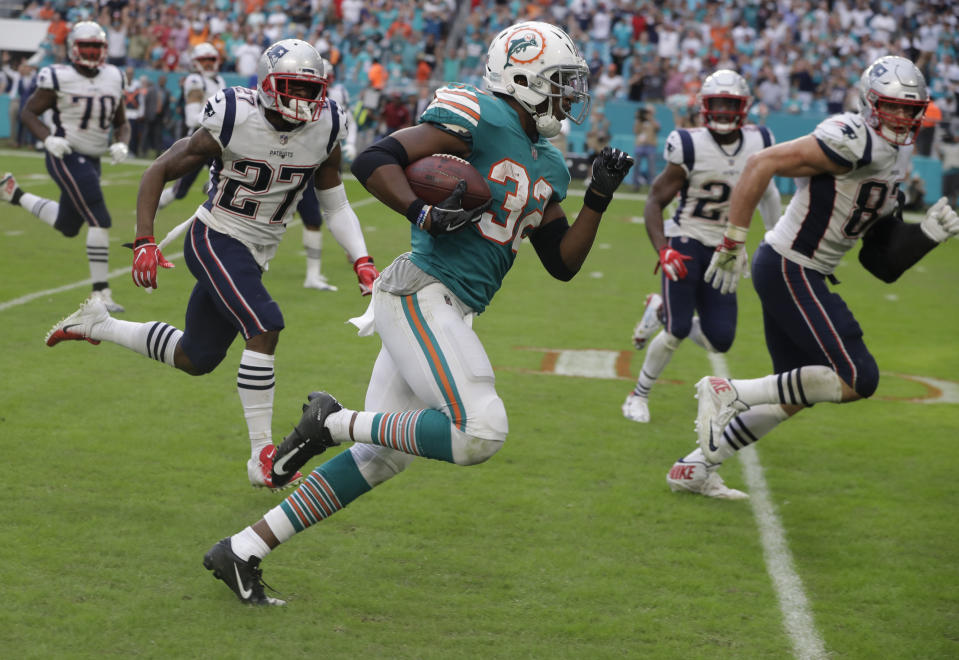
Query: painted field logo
(524, 46)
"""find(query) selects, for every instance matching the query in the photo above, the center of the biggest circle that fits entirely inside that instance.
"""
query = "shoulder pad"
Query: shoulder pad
(224, 110)
(47, 78)
(679, 149)
(846, 139)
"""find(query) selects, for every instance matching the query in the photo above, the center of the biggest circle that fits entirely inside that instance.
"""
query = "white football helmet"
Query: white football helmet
(290, 63)
(205, 58)
(724, 100)
(535, 62)
(898, 86)
(87, 45)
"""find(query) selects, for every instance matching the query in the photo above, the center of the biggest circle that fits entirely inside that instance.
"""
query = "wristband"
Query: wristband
(595, 201)
(736, 233)
(416, 212)
(143, 240)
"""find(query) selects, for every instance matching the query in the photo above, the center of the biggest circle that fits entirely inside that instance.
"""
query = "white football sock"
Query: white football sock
(154, 339)
(43, 208)
(256, 384)
(313, 245)
(248, 544)
(748, 427)
(802, 387)
(658, 354)
(98, 249)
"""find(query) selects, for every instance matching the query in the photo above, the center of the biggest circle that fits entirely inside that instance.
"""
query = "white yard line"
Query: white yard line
(797, 614)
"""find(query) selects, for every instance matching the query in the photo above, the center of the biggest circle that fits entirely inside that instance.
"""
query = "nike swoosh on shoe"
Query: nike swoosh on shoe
(244, 592)
(279, 465)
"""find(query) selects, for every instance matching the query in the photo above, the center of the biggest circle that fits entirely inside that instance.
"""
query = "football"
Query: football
(433, 179)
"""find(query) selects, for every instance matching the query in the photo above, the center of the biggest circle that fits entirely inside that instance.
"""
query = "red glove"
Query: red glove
(365, 272)
(672, 263)
(146, 258)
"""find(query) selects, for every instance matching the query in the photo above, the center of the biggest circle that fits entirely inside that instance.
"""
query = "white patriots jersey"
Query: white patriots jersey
(84, 109)
(711, 172)
(261, 174)
(829, 213)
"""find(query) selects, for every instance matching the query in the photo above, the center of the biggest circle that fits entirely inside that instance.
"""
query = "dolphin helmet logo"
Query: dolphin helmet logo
(524, 46)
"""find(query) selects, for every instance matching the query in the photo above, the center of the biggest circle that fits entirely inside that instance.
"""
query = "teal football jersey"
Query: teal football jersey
(523, 177)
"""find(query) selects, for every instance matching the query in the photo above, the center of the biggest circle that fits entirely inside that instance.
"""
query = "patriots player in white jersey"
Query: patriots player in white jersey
(199, 85)
(432, 392)
(86, 98)
(848, 172)
(702, 166)
(267, 145)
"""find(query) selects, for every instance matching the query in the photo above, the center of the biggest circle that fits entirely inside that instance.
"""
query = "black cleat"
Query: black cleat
(309, 438)
(245, 578)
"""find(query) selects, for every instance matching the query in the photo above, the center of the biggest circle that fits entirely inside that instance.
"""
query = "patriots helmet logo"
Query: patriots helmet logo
(525, 46)
(276, 53)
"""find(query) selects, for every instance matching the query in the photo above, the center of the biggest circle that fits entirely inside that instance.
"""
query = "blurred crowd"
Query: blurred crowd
(798, 55)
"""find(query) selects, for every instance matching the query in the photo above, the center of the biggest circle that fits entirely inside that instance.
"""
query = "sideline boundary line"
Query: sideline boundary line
(797, 614)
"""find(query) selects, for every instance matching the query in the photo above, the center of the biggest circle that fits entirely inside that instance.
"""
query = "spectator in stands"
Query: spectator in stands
(395, 113)
(610, 84)
(157, 114)
(26, 85)
(117, 41)
(598, 135)
(133, 100)
(646, 130)
(377, 75)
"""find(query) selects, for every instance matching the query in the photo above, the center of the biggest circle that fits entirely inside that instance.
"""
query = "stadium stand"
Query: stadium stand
(801, 58)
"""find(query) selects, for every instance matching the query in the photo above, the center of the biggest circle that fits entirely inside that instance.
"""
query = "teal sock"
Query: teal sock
(419, 432)
(327, 489)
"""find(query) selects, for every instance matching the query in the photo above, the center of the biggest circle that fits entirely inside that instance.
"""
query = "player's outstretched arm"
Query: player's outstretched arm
(562, 248)
(342, 222)
(664, 189)
(797, 158)
(184, 156)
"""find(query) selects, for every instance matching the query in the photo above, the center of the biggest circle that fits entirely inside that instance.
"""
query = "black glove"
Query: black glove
(609, 169)
(448, 216)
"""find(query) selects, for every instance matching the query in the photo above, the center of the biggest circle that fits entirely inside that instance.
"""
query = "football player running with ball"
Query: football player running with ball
(702, 166)
(268, 145)
(432, 392)
(847, 174)
(89, 121)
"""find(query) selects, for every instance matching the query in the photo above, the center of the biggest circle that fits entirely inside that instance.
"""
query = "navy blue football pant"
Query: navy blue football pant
(81, 199)
(717, 311)
(228, 298)
(806, 324)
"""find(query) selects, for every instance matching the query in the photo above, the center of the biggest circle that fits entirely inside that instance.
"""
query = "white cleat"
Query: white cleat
(636, 408)
(701, 478)
(319, 282)
(106, 296)
(650, 323)
(8, 186)
(79, 325)
(718, 404)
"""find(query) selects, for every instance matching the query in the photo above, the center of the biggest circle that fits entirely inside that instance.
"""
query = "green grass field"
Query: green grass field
(121, 473)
